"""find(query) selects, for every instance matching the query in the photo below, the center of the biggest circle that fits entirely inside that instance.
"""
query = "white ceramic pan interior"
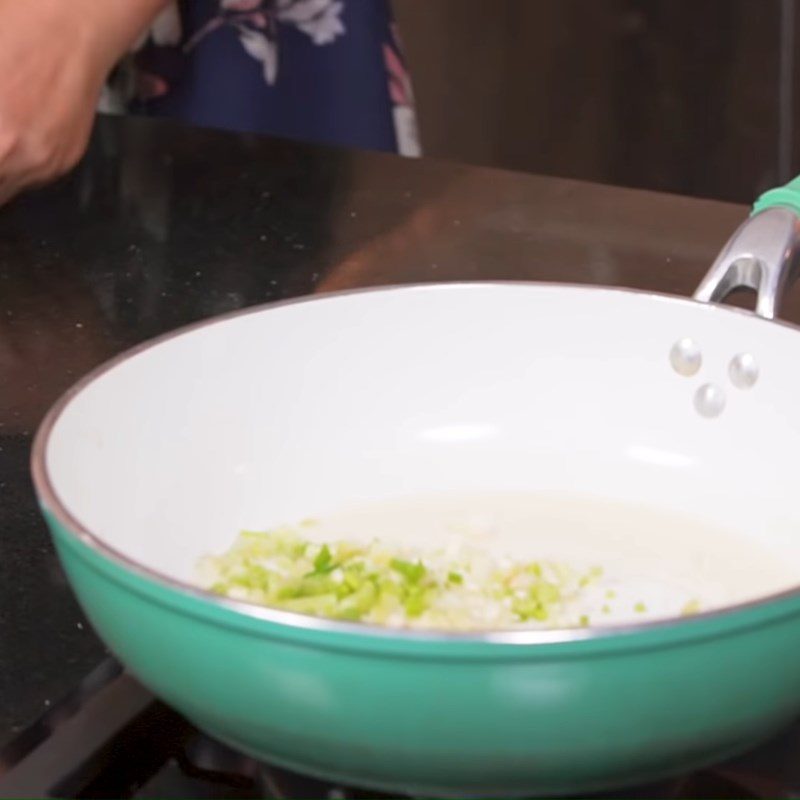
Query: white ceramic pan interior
(308, 407)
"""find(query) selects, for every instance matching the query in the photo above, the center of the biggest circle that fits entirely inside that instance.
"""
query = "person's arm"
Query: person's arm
(54, 57)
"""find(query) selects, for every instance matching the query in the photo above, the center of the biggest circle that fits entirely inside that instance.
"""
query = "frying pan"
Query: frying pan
(297, 408)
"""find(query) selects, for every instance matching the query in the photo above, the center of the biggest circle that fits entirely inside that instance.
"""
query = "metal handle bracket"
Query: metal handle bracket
(762, 255)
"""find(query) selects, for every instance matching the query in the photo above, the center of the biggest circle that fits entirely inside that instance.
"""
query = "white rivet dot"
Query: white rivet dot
(685, 357)
(743, 371)
(709, 400)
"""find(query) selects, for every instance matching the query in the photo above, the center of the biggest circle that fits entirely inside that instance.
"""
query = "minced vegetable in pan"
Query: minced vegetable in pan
(459, 588)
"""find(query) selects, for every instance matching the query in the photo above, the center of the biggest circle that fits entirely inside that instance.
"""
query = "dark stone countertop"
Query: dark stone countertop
(162, 225)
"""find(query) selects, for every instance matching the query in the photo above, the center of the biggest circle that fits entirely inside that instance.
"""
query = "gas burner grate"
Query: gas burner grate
(279, 784)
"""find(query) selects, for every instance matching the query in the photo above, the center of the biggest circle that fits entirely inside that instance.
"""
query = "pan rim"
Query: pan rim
(52, 503)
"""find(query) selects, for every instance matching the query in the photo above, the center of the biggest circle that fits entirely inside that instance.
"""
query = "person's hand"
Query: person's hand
(54, 58)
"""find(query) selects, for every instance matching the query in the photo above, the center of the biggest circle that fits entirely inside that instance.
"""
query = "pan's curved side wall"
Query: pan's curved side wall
(465, 718)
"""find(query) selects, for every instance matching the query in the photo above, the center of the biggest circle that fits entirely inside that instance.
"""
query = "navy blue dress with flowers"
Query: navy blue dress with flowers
(328, 71)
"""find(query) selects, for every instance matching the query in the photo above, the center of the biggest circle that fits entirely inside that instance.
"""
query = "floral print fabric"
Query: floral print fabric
(330, 71)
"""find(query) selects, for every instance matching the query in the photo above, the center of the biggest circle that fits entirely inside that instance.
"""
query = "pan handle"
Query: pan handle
(762, 255)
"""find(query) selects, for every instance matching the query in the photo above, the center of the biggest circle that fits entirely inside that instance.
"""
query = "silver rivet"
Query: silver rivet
(685, 357)
(743, 371)
(709, 400)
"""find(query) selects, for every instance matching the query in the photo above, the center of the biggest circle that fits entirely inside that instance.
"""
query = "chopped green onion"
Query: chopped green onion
(411, 572)
(416, 603)
(375, 583)
(594, 574)
(323, 562)
(692, 607)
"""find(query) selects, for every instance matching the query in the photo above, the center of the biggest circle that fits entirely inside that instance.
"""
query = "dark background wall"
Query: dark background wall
(691, 96)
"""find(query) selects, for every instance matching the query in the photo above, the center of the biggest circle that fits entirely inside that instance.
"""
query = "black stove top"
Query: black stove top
(110, 738)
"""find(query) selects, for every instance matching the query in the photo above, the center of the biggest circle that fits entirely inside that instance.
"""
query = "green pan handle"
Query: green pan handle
(787, 196)
(762, 255)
